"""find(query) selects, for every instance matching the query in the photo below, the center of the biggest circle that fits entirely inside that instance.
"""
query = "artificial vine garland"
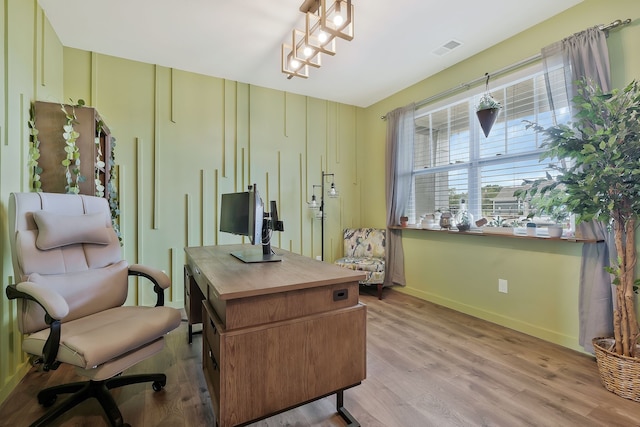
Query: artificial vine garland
(72, 160)
(100, 164)
(34, 152)
(114, 202)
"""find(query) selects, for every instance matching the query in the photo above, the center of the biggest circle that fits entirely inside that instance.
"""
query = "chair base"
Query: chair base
(97, 389)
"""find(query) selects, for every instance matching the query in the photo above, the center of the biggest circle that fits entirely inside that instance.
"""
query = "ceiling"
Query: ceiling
(240, 39)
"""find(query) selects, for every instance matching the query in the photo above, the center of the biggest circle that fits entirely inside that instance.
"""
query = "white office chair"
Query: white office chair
(72, 284)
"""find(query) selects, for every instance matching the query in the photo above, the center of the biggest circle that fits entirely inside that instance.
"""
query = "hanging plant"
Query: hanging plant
(72, 159)
(487, 110)
(34, 152)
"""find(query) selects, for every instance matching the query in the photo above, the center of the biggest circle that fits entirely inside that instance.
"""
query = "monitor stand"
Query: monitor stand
(252, 256)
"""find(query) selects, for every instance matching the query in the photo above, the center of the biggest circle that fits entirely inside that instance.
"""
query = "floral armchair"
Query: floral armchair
(364, 250)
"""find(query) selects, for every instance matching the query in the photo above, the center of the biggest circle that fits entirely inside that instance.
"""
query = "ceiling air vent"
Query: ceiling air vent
(446, 48)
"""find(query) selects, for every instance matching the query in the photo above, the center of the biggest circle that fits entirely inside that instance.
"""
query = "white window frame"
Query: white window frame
(475, 162)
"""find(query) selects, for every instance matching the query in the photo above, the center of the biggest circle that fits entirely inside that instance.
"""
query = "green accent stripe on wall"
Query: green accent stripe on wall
(156, 149)
(43, 49)
(23, 161)
(94, 80)
(205, 196)
(171, 94)
(140, 214)
(5, 48)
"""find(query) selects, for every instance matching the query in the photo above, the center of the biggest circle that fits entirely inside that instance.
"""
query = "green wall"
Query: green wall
(31, 68)
(183, 139)
(462, 272)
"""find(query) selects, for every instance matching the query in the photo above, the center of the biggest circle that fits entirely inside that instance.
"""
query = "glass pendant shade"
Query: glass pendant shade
(313, 204)
(332, 192)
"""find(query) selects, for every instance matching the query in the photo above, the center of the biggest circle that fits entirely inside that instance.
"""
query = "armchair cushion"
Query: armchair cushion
(373, 267)
(56, 230)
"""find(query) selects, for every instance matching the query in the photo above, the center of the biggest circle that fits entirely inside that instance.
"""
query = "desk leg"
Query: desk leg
(342, 411)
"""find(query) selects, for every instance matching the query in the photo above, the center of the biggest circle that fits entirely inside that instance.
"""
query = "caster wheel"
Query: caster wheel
(47, 401)
(157, 385)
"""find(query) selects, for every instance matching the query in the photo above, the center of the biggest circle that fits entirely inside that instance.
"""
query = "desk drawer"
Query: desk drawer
(211, 369)
(211, 360)
(275, 307)
(211, 329)
(192, 298)
(208, 293)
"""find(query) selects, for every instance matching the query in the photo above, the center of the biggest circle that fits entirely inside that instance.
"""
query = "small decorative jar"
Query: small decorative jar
(446, 220)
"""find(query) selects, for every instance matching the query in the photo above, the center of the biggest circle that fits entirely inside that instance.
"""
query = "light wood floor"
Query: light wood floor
(426, 366)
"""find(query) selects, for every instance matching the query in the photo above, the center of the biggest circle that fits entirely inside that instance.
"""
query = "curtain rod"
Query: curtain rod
(505, 70)
(614, 24)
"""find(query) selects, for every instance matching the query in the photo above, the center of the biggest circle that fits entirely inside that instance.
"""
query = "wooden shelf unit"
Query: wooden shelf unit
(50, 120)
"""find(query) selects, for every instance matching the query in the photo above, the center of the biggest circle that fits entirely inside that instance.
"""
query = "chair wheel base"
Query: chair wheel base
(81, 391)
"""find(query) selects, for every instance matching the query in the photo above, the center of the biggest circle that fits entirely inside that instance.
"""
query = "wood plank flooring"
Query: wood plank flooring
(426, 366)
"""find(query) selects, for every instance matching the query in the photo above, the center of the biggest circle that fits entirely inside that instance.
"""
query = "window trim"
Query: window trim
(473, 166)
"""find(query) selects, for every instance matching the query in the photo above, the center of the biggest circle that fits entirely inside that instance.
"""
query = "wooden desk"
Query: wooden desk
(277, 335)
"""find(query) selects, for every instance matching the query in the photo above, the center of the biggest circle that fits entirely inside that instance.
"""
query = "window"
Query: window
(453, 160)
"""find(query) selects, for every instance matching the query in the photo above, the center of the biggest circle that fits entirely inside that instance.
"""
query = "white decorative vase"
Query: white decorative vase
(555, 231)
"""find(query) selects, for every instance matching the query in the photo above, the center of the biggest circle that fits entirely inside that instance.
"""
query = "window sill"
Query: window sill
(505, 235)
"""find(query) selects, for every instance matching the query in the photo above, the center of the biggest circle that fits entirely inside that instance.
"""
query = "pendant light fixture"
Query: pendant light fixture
(325, 20)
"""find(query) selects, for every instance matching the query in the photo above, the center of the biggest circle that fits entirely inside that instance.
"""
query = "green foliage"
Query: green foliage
(601, 174)
(487, 102)
(34, 152)
(72, 160)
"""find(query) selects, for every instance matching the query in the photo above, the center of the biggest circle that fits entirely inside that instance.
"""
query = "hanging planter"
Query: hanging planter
(487, 110)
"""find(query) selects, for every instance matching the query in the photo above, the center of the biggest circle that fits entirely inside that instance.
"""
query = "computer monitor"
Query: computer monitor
(243, 214)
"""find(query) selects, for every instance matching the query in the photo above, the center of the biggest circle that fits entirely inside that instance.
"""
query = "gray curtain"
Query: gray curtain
(585, 54)
(398, 170)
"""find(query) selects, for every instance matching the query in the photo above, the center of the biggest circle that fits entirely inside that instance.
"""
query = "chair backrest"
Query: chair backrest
(66, 242)
(364, 242)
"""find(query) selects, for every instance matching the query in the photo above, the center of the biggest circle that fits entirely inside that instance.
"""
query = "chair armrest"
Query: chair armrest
(159, 279)
(55, 307)
(52, 302)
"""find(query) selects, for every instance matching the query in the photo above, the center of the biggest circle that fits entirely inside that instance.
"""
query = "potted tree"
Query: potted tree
(601, 180)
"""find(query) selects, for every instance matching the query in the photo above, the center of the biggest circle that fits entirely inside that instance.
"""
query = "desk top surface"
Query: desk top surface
(232, 278)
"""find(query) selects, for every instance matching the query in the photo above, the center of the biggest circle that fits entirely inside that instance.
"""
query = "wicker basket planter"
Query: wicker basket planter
(619, 374)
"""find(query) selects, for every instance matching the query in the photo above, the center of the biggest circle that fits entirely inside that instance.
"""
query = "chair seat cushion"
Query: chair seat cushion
(373, 267)
(93, 340)
(362, 264)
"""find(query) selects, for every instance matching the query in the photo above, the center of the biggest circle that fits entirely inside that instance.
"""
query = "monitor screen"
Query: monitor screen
(242, 214)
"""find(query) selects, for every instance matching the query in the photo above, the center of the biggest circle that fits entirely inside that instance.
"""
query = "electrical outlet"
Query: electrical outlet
(503, 286)
(318, 257)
